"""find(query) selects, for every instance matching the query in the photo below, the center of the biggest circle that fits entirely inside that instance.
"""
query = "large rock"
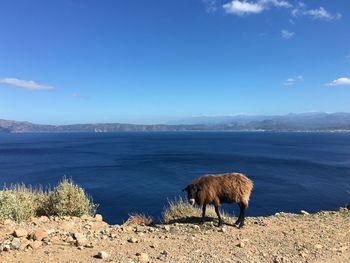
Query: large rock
(39, 234)
(20, 232)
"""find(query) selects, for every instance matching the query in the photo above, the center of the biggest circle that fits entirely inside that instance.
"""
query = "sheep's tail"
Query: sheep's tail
(249, 185)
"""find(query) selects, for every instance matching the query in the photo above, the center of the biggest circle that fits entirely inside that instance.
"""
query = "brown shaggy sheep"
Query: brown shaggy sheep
(216, 189)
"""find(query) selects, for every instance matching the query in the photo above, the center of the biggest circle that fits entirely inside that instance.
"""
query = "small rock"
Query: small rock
(223, 230)
(240, 244)
(85, 217)
(6, 247)
(318, 246)
(166, 228)
(143, 257)
(24, 243)
(303, 212)
(44, 219)
(90, 245)
(8, 222)
(70, 240)
(342, 249)
(81, 242)
(35, 244)
(55, 240)
(20, 232)
(81, 239)
(102, 255)
(39, 234)
(133, 240)
(16, 243)
(67, 226)
(98, 218)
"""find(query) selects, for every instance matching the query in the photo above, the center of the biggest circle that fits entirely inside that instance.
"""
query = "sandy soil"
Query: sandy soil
(321, 237)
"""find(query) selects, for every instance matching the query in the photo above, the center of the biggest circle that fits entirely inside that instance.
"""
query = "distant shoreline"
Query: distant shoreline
(181, 131)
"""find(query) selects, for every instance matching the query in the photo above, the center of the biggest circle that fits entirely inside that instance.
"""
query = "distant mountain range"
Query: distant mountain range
(317, 121)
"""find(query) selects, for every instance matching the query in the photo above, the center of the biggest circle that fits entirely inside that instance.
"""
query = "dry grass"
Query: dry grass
(179, 210)
(140, 220)
(20, 202)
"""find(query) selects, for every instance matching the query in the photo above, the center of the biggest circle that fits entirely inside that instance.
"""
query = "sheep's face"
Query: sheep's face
(192, 193)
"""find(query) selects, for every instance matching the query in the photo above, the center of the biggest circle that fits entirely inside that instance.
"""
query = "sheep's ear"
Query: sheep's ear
(185, 189)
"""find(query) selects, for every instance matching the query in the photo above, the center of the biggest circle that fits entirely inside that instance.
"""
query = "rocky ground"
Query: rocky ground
(321, 237)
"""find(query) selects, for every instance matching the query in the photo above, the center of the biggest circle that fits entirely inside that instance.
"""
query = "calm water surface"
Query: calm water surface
(138, 172)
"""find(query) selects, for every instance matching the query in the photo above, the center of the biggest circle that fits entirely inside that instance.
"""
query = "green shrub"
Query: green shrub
(179, 209)
(20, 203)
(17, 203)
(68, 199)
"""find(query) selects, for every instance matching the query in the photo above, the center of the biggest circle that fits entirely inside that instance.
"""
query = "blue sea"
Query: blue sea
(138, 172)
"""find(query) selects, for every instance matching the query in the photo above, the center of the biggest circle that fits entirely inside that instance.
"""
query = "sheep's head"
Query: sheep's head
(192, 192)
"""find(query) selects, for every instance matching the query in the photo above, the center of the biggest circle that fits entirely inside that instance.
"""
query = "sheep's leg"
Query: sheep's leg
(218, 214)
(240, 221)
(240, 214)
(203, 213)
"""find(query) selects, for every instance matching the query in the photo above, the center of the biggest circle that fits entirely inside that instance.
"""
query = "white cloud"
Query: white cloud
(287, 34)
(292, 81)
(340, 82)
(238, 7)
(244, 7)
(316, 14)
(322, 13)
(25, 84)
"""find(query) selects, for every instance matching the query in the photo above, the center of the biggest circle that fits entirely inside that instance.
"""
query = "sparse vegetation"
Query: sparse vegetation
(68, 199)
(140, 220)
(20, 202)
(179, 210)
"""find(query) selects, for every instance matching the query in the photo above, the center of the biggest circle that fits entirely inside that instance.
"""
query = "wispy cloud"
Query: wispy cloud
(78, 95)
(24, 84)
(287, 34)
(276, 3)
(340, 82)
(210, 5)
(293, 80)
(316, 14)
(246, 7)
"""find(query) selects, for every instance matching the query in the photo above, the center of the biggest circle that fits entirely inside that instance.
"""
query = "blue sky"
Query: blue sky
(139, 61)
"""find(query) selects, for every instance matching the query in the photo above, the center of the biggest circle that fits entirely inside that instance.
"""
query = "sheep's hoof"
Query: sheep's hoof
(240, 226)
(220, 224)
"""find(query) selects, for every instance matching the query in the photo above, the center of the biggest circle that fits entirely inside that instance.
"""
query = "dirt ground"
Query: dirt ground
(320, 237)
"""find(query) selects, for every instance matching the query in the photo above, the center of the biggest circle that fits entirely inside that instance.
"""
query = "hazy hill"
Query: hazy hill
(291, 122)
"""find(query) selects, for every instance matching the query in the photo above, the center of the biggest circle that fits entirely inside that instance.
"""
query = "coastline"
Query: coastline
(284, 237)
